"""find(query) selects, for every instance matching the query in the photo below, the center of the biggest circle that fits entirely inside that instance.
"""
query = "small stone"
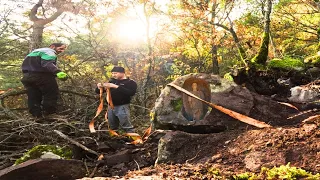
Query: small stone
(309, 127)
(50, 155)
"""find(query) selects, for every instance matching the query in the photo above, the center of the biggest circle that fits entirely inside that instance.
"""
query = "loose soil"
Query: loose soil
(230, 152)
(241, 149)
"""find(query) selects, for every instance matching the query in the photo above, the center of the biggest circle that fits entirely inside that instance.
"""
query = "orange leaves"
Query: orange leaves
(137, 139)
(91, 126)
(147, 133)
(100, 157)
(113, 133)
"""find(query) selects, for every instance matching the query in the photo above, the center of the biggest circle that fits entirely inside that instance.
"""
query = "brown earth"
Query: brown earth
(199, 156)
(193, 156)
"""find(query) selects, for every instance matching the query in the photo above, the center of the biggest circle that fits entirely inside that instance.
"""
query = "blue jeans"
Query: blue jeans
(120, 116)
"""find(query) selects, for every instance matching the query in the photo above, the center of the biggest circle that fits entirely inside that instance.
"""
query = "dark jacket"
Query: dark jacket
(122, 95)
(41, 60)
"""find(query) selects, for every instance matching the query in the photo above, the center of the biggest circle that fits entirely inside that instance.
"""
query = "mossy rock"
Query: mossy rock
(286, 64)
(39, 150)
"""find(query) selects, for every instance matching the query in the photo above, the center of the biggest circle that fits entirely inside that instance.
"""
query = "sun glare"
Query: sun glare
(131, 30)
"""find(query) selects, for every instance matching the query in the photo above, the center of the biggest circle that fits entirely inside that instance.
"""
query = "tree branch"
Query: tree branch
(75, 142)
(33, 14)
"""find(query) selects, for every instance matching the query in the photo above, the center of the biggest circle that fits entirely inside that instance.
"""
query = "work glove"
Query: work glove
(62, 76)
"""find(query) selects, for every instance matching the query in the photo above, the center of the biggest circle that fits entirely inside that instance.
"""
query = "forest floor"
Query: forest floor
(238, 151)
(208, 156)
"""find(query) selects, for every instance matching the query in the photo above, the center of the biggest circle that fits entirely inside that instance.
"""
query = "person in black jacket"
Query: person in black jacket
(122, 89)
(39, 72)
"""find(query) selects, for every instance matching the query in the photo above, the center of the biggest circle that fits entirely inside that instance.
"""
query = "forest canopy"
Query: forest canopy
(157, 40)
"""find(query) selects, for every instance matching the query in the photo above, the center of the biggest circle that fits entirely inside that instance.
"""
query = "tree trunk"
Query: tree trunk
(39, 23)
(262, 56)
(214, 48)
(241, 51)
(150, 57)
(36, 36)
(215, 65)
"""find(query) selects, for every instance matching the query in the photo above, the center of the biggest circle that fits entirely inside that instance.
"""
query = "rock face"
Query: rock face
(171, 110)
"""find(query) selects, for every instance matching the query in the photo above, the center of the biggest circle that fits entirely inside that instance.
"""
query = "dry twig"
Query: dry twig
(75, 142)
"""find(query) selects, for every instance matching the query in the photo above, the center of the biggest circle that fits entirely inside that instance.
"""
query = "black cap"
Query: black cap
(118, 69)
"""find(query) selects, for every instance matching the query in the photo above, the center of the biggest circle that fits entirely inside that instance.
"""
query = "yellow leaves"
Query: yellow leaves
(152, 115)
(69, 58)
(137, 139)
(96, 19)
(113, 133)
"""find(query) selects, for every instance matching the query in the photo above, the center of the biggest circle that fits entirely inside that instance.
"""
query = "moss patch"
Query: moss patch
(262, 55)
(39, 150)
(177, 105)
(286, 64)
(282, 172)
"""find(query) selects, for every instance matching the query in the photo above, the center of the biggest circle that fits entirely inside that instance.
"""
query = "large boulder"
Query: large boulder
(172, 108)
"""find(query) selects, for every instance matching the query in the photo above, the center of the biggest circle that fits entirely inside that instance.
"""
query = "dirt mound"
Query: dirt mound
(237, 152)
(222, 155)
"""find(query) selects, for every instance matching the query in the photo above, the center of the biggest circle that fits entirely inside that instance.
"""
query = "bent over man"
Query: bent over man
(122, 89)
(39, 72)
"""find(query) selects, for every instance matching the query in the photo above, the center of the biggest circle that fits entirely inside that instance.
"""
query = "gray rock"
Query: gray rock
(170, 113)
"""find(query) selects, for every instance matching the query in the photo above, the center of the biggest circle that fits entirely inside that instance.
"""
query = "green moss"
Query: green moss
(282, 172)
(228, 76)
(286, 64)
(262, 55)
(177, 104)
(39, 150)
(287, 172)
(214, 171)
(245, 176)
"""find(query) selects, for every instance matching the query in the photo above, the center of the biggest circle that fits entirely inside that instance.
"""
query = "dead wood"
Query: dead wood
(75, 142)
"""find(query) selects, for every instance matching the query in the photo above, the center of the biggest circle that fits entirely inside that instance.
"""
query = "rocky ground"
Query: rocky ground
(166, 154)
(225, 154)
